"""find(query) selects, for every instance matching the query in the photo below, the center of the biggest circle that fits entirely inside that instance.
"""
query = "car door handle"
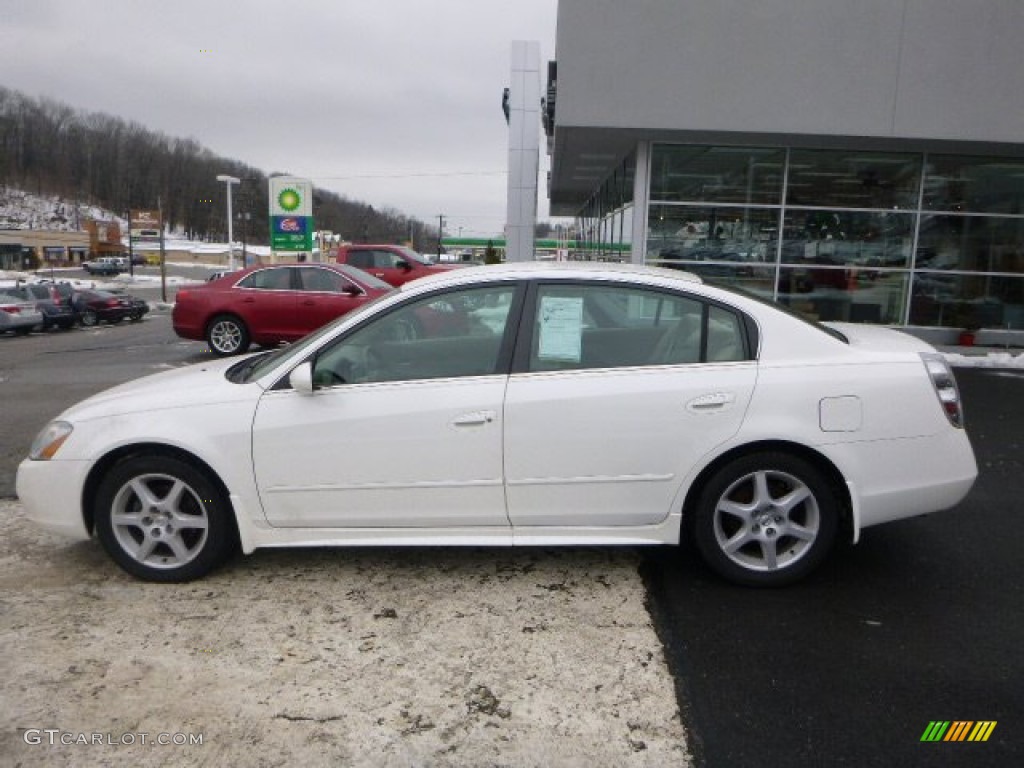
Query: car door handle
(475, 419)
(711, 402)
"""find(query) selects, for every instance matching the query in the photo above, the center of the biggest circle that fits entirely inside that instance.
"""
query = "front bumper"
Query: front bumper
(52, 494)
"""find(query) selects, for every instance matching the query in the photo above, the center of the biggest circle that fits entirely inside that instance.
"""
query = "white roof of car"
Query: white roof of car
(558, 269)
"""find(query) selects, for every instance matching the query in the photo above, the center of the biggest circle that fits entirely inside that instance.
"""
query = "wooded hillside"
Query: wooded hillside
(49, 148)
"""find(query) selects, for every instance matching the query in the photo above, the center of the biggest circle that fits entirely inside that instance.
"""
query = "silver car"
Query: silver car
(18, 315)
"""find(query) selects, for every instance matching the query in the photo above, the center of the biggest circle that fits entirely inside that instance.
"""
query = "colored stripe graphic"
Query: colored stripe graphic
(982, 730)
(958, 730)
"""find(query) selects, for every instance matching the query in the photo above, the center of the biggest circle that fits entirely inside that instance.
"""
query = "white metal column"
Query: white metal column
(523, 151)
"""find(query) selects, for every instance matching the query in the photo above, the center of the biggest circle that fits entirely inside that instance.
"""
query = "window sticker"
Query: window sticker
(561, 329)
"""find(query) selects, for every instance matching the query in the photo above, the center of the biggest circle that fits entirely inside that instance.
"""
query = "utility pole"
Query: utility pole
(440, 233)
(163, 254)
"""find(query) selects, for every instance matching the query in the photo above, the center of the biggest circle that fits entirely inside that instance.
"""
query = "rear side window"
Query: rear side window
(279, 279)
(609, 326)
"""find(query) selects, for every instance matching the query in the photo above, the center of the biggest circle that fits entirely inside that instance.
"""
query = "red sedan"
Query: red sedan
(269, 304)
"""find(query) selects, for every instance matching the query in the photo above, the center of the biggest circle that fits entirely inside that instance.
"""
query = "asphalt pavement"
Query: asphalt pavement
(920, 622)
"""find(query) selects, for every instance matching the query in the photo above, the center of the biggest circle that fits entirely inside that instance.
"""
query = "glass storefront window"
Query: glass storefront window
(853, 179)
(974, 184)
(863, 233)
(971, 243)
(967, 301)
(848, 237)
(746, 175)
(692, 233)
(847, 295)
(758, 280)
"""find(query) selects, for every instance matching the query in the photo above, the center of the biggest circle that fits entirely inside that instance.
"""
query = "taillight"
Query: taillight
(112, 303)
(11, 310)
(942, 379)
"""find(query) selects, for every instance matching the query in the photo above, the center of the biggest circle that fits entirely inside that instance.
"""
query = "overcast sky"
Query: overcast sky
(396, 103)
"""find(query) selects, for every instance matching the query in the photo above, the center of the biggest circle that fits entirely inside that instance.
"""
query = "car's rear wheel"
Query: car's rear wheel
(766, 519)
(227, 335)
(89, 318)
(162, 519)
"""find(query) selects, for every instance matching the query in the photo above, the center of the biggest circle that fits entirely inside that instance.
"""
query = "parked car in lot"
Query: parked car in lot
(106, 265)
(93, 307)
(559, 404)
(394, 264)
(18, 314)
(270, 304)
(55, 307)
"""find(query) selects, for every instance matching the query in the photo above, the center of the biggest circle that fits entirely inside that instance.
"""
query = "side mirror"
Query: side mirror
(301, 378)
(404, 265)
(352, 289)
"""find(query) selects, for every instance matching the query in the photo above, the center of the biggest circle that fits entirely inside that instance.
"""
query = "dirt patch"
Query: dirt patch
(332, 657)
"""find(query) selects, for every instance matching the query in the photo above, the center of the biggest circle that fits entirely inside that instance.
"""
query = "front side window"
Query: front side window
(361, 259)
(448, 335)
(606, 326)
(386, 259)
(321, 280)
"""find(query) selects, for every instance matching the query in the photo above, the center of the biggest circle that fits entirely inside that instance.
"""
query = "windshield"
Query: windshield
(259, 365)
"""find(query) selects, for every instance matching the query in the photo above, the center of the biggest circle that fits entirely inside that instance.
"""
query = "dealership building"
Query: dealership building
(858, 160)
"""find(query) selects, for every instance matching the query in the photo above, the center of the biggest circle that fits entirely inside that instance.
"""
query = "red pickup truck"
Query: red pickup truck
(394, 264)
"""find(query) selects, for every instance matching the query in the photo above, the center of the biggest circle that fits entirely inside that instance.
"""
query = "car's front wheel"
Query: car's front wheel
(227, 335)
(766, 519)
(89, 318)
(162, 519)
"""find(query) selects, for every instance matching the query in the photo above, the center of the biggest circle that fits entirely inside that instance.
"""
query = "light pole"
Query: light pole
(228, 181)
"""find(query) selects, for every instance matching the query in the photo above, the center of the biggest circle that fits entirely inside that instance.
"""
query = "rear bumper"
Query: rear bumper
(910, 477)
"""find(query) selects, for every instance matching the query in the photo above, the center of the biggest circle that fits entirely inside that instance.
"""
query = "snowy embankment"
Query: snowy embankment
(116, 283)
(986, 359)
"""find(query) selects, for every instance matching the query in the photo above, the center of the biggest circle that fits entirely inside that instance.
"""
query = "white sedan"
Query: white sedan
(531, 404)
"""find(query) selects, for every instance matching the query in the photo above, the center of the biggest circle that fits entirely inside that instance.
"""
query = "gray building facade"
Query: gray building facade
(858, 160)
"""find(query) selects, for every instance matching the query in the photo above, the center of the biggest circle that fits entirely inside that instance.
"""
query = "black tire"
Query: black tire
(24, 331)
(766, 520)
(88, 318)
(186, 531)
(227, 335)
(135, 317)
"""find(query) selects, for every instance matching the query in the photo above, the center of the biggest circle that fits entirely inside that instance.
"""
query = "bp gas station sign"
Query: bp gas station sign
(291, 214)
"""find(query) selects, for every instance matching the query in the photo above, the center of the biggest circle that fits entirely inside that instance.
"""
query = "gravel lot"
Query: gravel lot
(413, 657)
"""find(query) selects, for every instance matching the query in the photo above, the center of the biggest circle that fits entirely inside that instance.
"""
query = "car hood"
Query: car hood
(199, 384)
(878, 338)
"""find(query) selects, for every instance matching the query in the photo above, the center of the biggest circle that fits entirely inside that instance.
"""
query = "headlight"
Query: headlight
(49, 441)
